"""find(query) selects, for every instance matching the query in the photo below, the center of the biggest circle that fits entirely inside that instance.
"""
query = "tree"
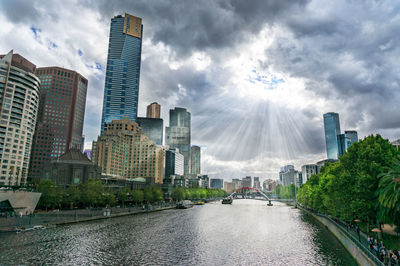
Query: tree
(148, 195)
(72, 196)
(137, 196)
(157, 194)
(178, 194)
(389, 193)
(123, 195)
(93, 193)
(109, 198)
(51, 195)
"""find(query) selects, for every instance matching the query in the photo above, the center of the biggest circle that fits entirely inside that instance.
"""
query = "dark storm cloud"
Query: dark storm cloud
(347, 56)
(188, 26)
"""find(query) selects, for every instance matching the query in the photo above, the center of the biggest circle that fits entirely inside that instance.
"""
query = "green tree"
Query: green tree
(137, 196)
(389, 193)
(51, 195)
(157, 194)
(93, 193)
(123, 195)
(109, 198)
(72, 196)
(178, 194)
(148, 195)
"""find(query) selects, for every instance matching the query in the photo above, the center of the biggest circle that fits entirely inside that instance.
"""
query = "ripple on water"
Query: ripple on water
(244, 233)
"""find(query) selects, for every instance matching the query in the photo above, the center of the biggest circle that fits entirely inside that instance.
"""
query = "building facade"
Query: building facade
(153, 128)
(256, 182)
(71, 168)
(153, 110)
(332, 129)
(19, 92)
(229, 187)
(59, 124)
(246, 181)
(177, 135)
(308, 170)
(352, 135)
(195, 160)
(287, 175)
(121, 90)
(216, 183)
(174, 163)
(124, 152)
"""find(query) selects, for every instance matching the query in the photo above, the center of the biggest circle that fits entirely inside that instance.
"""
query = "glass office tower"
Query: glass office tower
(153, 128)
(121, 90)
(351, 135)
(332, 129)
(195, 161)
(177, 135)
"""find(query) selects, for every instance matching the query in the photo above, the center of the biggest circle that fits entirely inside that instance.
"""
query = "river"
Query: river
(244, 233)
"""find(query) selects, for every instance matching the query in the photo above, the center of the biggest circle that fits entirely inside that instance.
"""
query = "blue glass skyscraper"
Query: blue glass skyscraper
(121, 90)
(332, 130)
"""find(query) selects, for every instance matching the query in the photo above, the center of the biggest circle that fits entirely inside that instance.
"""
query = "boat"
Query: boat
(184, 204)
(200, 203)
(227, 200)
(39, 227)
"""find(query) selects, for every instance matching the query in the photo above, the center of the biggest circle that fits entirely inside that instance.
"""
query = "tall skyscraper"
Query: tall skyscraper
(153, 128)
(195, 160)
(59, 125)
(121, 90)
(351, 135)
(332, 129)
(153, 110)
(19, 104)
(177, 135)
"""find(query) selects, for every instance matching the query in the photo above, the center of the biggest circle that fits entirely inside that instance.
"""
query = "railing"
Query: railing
(366, 250)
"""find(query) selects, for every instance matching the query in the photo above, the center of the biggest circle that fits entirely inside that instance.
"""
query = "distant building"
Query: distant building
(246, 182)
(287, 175)
(257, 183)
(71, 168)
(216, 183)
(195, 160)
(352, 135)
(229, 187)
(121, 90)
(332, 129)
(237, 182)
(177, 135)
(153, 110)
(308, 170)
(174, 163)
(396, 144)
(123, 151)
(59, 125)
(153, 128)
(269, 184)
(205, 181)
(19, 105)
(298, 177)
(343, 144)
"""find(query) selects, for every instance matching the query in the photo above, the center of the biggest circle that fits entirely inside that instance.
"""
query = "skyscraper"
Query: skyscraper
(177, 135)
(153, 128)
(61, 113)
(174, 162)
(19, 104)
(195, 160)
(121, 90)
(153, 110)
(351, 135)
(332, 129)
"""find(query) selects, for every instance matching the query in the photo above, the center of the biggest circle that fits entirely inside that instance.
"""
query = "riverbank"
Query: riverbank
(71, 217)
(355, 248)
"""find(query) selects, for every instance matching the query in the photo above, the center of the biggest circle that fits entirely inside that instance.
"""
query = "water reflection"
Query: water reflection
(246, 232)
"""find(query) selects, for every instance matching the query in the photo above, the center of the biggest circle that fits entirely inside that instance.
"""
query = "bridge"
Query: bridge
(250, 190)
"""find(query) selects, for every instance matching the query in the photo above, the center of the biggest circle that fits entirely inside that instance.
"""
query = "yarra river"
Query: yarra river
(244, 233)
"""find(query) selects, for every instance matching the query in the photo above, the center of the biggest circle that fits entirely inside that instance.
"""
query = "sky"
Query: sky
(257, 76)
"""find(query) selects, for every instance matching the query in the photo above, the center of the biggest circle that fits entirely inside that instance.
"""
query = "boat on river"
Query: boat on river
(227, 200)
(185, 204)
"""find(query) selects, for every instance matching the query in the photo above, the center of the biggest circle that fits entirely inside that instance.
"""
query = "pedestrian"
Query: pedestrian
(383, 254)
(376, 249)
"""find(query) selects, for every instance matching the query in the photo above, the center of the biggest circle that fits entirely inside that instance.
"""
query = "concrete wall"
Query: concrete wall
(354, 250)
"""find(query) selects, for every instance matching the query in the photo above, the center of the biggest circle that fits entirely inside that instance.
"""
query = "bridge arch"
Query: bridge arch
(250, 188)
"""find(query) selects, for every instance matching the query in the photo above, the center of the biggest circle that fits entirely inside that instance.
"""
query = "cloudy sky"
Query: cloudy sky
(256, 75)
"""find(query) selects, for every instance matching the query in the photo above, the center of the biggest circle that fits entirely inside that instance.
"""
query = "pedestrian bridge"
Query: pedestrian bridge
(248, 191)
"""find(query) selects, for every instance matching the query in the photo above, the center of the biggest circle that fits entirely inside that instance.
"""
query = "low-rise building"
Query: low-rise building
(229, 187)
(71, 168)
(216, 183)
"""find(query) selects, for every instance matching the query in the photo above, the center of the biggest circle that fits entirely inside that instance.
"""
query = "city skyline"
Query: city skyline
(252, 93)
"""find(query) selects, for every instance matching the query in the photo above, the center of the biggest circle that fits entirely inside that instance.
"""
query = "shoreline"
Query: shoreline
(82, 220)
